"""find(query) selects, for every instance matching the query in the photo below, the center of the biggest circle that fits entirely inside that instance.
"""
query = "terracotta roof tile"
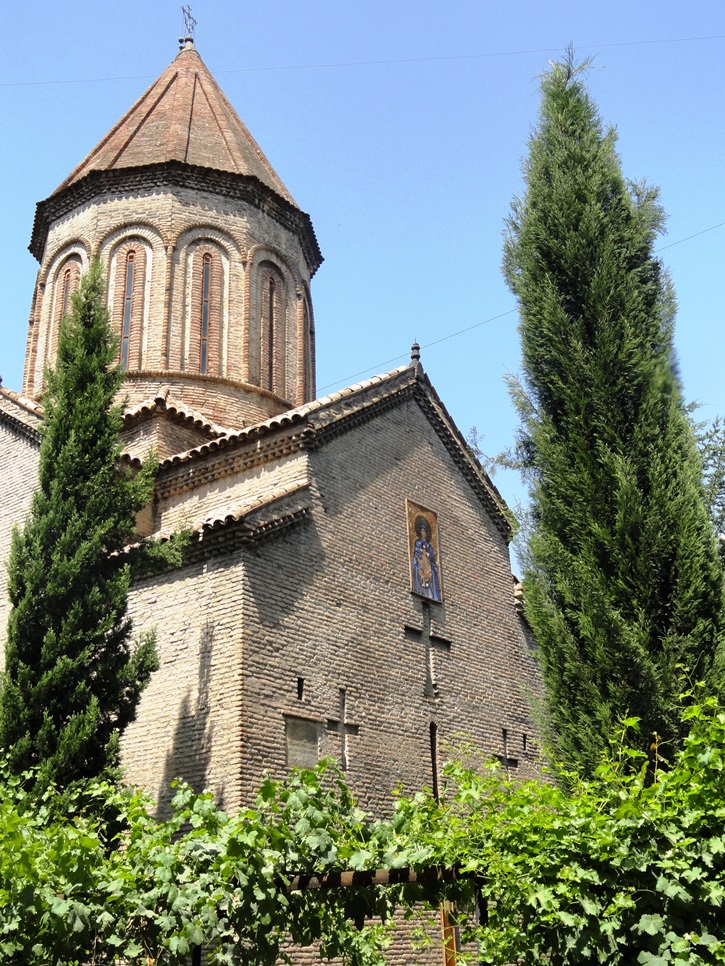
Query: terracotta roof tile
(288, 418)
(185, 117)
(27, 405)
(163, 401)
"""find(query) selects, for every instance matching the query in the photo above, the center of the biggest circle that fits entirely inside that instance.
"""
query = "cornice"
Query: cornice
(234, 536)
(223, 461)
(232, 531)
(175, 174)
(358, 416)
(165, 405)
(313, 426)
(21, 404)
(304, 429)
(20, 428)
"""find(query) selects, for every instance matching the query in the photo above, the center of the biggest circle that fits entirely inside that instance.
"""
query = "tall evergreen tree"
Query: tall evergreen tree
(622, 581)
(72, 680)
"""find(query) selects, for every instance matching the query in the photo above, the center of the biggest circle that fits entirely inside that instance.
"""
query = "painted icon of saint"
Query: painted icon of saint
(425, 567)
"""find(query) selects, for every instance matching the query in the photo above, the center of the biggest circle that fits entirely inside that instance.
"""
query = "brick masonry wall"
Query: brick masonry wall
(188, 724)
(327, 601)
(232, 405)
(330, 600)
(162, 435)
(19, 461)
(217, 497)
(167, 226)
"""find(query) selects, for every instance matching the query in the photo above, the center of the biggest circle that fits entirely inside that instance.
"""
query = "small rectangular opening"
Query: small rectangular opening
(434, 757)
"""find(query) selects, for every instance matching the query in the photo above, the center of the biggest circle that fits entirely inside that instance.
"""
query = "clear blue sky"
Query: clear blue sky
(400, 127)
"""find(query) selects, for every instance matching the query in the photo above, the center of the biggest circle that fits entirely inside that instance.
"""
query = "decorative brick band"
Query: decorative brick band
(20, 428)
(175, 174)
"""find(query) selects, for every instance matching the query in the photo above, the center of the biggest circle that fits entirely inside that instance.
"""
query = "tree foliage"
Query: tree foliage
(620, 869)
(70, 896)
(711, 439)
(625, 868)
(72, 680)
(622, 584)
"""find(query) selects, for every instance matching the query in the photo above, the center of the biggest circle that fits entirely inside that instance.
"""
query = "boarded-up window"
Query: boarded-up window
(302, 737)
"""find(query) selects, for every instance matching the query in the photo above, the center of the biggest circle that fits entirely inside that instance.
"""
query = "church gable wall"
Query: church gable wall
(162, 435)
(333, 631)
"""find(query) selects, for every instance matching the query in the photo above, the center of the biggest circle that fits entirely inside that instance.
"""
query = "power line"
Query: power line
(481, 56)
(378, 63)
(476, 325)
(451, 335)
(688, 237)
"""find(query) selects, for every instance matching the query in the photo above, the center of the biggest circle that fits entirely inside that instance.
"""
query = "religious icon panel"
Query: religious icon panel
(424, 551)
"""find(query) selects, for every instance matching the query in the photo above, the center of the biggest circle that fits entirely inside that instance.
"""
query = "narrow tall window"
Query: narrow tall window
(309, 353)
(203, 340)
(66, 283)
(270, 335)
(272, 332)
(434, 757)
(205, 286)
(127, 304)
(66, 292)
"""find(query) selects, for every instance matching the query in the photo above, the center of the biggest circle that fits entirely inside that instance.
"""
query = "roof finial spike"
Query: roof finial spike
(415, 353)
(189, 27)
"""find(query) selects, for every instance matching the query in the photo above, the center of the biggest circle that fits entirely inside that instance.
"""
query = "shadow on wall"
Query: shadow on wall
(291, 562)
(190, 752)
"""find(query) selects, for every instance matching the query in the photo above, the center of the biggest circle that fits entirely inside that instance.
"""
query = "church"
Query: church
(347, 590)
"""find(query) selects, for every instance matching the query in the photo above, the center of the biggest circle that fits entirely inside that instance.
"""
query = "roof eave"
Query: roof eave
(175, 174)
(309, 426)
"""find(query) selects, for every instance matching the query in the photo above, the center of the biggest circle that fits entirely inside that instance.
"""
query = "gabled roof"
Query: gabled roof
(164, 403)
(304, 427)
(313, 424)
(183, 117)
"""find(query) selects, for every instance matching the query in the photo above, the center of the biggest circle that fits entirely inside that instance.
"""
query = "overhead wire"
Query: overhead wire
(476, 325)
(408, 60)
(377, 63)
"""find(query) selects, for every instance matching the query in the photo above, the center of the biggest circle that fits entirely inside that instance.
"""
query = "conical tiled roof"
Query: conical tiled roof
(182, 117)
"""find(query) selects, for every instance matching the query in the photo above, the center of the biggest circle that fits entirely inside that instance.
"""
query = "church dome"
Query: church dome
(208, 257)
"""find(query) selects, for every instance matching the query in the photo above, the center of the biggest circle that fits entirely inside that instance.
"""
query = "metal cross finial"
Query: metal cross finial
(189, 21)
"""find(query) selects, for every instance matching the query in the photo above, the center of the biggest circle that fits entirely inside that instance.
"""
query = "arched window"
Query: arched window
(205, 294)
(67, 280)
(127, 306)
(129, 268)
(66, 292)
(205, 330)
(309, 353)
(272, 329)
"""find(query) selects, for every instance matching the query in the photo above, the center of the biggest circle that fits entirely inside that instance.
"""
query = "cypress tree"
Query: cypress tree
(622, 580)
(72, 678)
